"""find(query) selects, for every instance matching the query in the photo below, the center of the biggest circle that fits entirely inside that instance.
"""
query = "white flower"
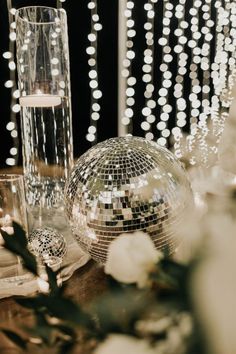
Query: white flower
(6, 226)
(214, 286)
(9, 230)
(2, 242)
(118, 343)
(43, 285)
(131, 257)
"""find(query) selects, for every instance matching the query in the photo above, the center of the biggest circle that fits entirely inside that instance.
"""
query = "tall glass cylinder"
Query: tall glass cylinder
(45, 99)
(12, 208)
(12, 202)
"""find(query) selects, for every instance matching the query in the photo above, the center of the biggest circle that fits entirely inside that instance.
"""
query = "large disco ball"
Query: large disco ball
(124, 185)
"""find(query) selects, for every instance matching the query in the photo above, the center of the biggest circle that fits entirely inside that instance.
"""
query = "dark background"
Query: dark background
(79, 21)
(78, 27)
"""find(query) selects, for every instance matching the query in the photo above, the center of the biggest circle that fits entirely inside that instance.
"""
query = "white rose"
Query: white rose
(118, 343)
(131, 257)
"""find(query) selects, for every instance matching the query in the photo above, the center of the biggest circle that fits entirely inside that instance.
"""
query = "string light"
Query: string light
(205, 66)
(167, 58)
(198, 90)
(126, 73)
(96, 93)
(220, 74)
(204, 52)
(195, 87)
(150, 104)
(11, 84)
(182, 57)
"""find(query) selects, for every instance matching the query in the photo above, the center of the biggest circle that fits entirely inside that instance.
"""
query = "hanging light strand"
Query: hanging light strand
(230, 45)
(182, 58)
(167, 57)
(205, 112)
(227, 70)
(205, 61)
(11, 126)
(227, 61)
(217, 22)
(126, 73)
(206, 52)
(215, 67)
(220, 68)
(232, 49)
(148, 71)
(96, 93)
(223, 70)
(196, 87)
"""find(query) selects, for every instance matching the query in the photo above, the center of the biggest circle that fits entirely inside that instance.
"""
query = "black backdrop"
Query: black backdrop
(78, 27)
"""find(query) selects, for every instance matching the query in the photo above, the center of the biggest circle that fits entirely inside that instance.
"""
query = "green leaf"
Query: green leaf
(20, 234)
(17, 243)
(180, 273)
(29, 262)
(40, 319)
(15, 338)
(173, 269)
(52, 280)
(29, 302)
(66, 310)
(117, 311)
(66, 348)
(62, 308)
(42, 329)
(67, 330)
(41, 332)
(113, 284)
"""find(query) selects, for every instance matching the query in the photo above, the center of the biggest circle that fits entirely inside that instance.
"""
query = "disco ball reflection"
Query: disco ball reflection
(123, 185)
(48, 245)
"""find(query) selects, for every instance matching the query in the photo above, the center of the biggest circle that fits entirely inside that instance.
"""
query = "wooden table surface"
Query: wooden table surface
(87, 282)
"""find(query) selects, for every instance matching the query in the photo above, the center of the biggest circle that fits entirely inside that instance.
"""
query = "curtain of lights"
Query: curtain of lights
(186, 77)
(188, 73)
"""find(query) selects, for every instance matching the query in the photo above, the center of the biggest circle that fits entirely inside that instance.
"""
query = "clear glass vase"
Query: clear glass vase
(45, 99)
(13, 276)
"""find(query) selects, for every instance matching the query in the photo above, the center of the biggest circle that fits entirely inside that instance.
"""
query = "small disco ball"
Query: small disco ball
(48, 245)
(123, 185)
